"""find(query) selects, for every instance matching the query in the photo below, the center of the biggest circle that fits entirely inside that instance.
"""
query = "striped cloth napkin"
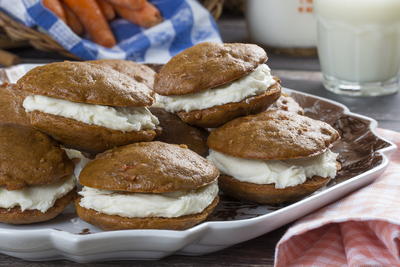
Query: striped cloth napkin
(186, 23)
(362, 229)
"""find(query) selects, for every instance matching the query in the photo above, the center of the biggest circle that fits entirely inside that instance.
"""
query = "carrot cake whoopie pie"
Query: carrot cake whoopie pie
(88, 106)
(148, 185)
(36, 176)
(211, 83)
(273, 157)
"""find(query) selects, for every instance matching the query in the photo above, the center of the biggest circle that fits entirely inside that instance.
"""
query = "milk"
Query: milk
(282, 23)
(359, 40)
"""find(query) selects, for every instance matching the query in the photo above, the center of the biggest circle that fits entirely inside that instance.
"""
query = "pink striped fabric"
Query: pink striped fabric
(363, 229)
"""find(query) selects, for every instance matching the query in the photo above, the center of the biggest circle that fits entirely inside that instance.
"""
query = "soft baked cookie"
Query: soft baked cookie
(273, 157)
(87, 106)
(141, 73)
(150, 185)
(211, 83)
(175, 131)
(36, 176)
(11, 109)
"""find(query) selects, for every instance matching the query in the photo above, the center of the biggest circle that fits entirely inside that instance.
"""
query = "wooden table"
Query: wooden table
(302, 74)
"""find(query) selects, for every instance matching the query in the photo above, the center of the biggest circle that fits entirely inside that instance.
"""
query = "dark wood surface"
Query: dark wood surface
(302, 74)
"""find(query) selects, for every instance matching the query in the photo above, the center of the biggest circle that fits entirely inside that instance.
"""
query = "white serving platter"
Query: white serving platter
(67, 237)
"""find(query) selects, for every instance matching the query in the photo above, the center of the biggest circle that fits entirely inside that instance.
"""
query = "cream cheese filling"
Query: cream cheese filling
(124, 119)
(282, 173)
(40, 197)
(140, 205)
(252, 84)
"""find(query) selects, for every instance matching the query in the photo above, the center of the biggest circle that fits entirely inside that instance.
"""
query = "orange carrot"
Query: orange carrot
(106, 9)
(130, 4)
(55, 7)
(93, 20)
(73, 21)
(146, 17)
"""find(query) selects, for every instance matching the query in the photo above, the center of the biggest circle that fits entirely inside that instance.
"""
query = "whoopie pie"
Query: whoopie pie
(212, 83)
(148, 185)
(273, 157)
(87, 106)
(36, 176)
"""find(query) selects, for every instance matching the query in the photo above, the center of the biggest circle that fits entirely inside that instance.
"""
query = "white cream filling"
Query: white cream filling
(139, 205)
(282, 173)
(40, 197)
(252, 84)
(78, 158)
(124, 119)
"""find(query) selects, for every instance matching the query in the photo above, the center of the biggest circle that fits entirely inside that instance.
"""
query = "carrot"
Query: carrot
(106, 9)
(55, 7)
(130, 4)
(93, 20)
(146, 17)
(73, 21)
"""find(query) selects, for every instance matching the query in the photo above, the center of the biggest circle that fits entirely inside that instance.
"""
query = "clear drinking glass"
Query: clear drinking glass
(359, 45)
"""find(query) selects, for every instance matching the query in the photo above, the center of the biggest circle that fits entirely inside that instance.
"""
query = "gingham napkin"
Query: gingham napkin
(362, 229)
(186, 23)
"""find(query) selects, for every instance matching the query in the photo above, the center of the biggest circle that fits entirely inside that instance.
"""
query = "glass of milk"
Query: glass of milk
(359, 45)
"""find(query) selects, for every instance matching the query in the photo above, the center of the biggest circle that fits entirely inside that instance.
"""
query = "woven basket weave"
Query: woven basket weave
(19, 32)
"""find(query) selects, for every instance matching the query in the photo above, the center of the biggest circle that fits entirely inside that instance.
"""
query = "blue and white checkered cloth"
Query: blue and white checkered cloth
(186, 23)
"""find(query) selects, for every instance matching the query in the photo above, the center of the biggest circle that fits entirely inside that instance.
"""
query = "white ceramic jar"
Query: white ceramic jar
(287, 25)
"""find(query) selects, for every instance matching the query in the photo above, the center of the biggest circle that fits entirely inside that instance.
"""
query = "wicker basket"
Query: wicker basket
(19, 32)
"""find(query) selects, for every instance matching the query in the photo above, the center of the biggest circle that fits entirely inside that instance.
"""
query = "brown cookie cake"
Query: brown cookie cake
(88, 106)
(274, 156)
(211, 83)
(150, 185)
(36, 176)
